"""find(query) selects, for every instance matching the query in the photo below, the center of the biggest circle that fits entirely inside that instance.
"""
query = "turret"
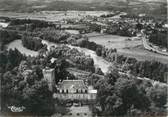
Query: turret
(49, 76)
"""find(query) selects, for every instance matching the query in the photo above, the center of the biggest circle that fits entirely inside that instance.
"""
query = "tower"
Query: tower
(49, 76)
(115, 57)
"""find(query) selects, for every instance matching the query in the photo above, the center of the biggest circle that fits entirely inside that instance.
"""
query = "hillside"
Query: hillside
(132, 6)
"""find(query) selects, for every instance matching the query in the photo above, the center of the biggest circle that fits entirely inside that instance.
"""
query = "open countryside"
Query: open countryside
(133, 48)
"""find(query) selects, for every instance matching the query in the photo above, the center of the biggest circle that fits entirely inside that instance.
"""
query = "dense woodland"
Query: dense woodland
(150, 69)
(78, 59)
(32, 24)
(22, 82)
(7, 36)
(7, 62)
(19, 89)
(32, 43)
(159, 38)
(52, 35)
(122, 95)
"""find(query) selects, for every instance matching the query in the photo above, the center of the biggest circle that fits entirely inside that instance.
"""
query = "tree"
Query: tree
(112, 76)
(60, 71)
(101, 85)
(158, 96)
(3, 60)
(32, 43)
(139, 26)
(99, 71)
(23, 66)
(159, 38)
(8, 36)
(9, 91)
(98, 51)
(120, 95)
(131, 94)
(151, 69)
(38, 99)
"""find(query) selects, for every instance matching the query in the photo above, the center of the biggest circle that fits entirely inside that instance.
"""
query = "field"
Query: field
(133, 48)
(113, 41)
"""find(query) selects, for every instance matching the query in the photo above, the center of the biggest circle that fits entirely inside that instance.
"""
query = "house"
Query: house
(166, 26)
(142, 15)
(3, 25)
(103, 30)
(75, 90)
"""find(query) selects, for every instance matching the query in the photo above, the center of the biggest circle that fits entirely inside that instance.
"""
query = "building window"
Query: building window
(85, 114)
(76, 90)
(113, 58)
(85, 91)
(67, 91)
(62, 91)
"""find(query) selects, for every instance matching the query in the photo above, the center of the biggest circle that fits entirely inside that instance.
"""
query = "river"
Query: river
(18, 45)
(98, 61)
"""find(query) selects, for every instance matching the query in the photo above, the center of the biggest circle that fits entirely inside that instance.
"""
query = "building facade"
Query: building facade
(75, 90)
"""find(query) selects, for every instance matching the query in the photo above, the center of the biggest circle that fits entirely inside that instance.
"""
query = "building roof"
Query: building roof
(72, 84)
(48, 69)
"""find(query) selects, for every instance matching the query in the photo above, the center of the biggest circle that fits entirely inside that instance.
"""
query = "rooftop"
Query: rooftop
(48, 69)
(72, 84)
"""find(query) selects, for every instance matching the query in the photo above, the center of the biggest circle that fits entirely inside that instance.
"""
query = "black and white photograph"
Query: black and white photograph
(83, 58)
